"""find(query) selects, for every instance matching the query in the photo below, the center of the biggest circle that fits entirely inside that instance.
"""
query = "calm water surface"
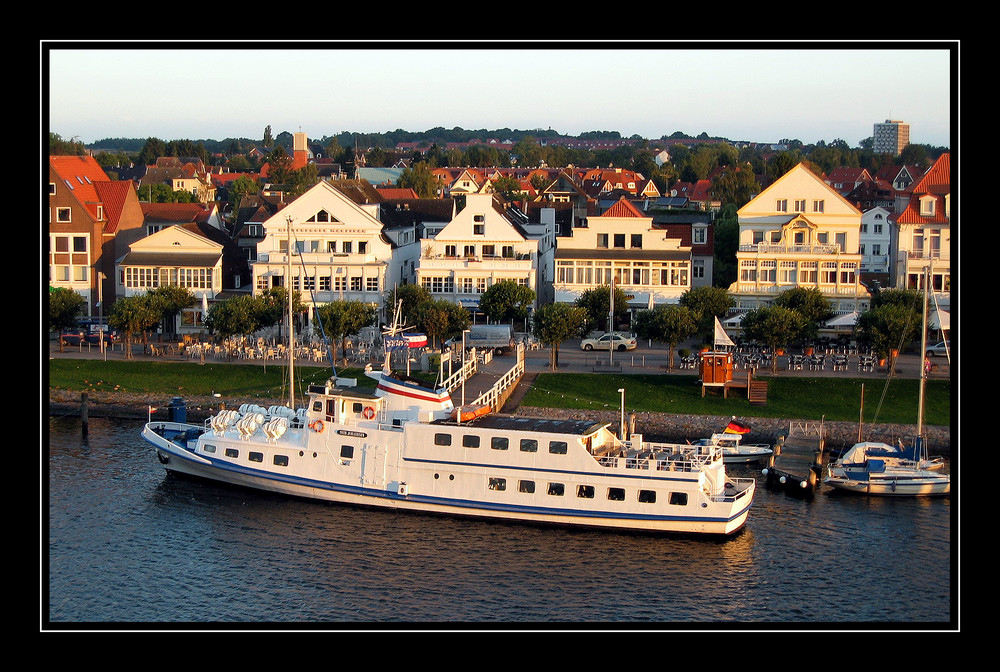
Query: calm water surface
(130, 545)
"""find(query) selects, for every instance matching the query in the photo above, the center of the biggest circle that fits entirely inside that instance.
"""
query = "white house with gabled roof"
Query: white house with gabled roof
(479, 247)
(339, 250)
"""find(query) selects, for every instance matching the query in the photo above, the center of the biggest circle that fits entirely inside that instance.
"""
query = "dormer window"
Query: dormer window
(927, 206)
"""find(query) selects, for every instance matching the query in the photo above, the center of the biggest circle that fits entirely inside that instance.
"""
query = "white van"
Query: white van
(499, 337)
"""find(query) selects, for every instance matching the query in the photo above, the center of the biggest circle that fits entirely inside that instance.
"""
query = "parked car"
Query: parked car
(614, 341)
(938, 349)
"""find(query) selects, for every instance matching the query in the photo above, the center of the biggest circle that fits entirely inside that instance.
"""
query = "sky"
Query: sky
(740, 91)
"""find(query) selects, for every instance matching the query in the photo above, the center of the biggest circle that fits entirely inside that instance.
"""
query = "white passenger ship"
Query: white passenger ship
(404, 447)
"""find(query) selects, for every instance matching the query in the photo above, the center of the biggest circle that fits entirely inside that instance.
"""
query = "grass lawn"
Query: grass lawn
(835, 399)
(184, 379)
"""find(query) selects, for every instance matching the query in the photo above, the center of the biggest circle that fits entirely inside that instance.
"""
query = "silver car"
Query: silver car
(609, 342)
(938, 350)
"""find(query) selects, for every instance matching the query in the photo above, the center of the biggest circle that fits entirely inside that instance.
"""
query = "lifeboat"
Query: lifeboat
(469, 412)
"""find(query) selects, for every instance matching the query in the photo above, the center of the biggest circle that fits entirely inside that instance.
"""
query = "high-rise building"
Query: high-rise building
(891, 137)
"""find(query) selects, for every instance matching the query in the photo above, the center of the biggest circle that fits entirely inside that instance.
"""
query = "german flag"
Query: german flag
(737, 427)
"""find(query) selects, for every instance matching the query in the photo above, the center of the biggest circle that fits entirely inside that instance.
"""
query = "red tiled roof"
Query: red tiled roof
(175, 212)
(935, 182)
(80, 173)
(113, 195)
(396, 192)
(622, 209)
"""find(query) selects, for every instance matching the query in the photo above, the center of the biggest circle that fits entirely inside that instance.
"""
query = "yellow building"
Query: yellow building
(799, 232)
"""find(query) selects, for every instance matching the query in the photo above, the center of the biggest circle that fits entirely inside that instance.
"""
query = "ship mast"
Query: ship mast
(291, 327)
(923, 355)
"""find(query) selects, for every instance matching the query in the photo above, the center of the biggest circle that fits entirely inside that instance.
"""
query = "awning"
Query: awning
(848, 320)
(939, 319)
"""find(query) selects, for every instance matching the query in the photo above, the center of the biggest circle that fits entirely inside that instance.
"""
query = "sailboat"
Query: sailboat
(877, 468)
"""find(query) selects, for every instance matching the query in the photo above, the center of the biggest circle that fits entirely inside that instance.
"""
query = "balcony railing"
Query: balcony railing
(774, 248)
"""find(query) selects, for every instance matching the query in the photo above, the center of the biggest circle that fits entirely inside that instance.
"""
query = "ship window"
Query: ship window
(232, 452)
(678, 498)
(347, 452)
(442, 439)
(498, 443)
(529, 445)
(357, 406)
(470, 441)
(498, 484)
(616, 494)
(318, 405)
(281, 460)
(585, 491)
(256, 457)
(209, 448)
(557, 489)
(647, 496)
(526, 486)
(557, 447)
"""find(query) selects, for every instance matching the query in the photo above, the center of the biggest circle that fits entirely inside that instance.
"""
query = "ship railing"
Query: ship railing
(664, 457)
(735, 490)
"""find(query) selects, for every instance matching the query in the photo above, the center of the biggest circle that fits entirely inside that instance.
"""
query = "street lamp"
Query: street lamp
(464, 371)
(621, 426)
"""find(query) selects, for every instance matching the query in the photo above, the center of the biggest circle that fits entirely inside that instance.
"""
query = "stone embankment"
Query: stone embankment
(654, 426)
(672, 427)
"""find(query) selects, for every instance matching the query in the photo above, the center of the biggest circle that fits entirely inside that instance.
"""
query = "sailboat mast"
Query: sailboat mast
(923, 353)
(291, 327)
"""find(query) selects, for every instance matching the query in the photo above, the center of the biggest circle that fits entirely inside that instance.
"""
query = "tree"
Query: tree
(151, 151)
(506, 301)
(171, 300)
(727, 241)
(893, 321)
(706, 304)
(340, 319)
(419, 178)
(134, 315)
(773, 326)
(244, 185)
(65, 306)
(668, 324)
(411, 297)
(279, 165)
(810, 304)
(554, 323)
(434, 319)
(272, 306)
(239, 315)
(596, 305)
(736, 185)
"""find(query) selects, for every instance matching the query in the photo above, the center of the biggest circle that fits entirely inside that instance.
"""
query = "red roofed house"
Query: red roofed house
(91, 222)
(922, 233)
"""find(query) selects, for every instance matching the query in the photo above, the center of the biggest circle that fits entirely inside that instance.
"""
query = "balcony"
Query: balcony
(777, 249)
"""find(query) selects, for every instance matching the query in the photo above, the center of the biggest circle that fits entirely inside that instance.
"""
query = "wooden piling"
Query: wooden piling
(85, 420)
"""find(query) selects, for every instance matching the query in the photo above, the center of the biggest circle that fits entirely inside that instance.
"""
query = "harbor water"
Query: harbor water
(127, 545)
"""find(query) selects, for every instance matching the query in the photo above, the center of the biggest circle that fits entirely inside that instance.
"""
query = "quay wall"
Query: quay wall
(672, 427)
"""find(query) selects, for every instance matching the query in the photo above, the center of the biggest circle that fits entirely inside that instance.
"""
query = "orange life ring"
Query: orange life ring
(368, 413)
(316, 426)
